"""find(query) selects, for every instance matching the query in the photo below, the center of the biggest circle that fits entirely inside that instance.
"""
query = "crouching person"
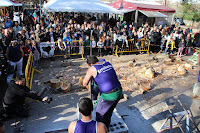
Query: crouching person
(14, 99)
(86, 124)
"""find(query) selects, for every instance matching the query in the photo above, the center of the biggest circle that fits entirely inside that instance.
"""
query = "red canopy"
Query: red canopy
(131, 5)
(16, 2)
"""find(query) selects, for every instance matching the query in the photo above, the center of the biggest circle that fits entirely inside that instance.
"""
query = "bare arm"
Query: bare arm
(22, 51)
(71, 127)
(64, 45)
(91, 72)
(101, 128)
(59, 44)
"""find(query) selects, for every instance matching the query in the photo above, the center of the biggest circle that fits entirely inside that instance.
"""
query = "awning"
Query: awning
(6, 3)
(125, 10)
(152, 14)
(141, 5)
(92, 6)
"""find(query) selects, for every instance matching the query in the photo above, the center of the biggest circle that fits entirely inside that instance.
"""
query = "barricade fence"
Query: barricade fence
(29, 71)
(139, 45)
(76, 47)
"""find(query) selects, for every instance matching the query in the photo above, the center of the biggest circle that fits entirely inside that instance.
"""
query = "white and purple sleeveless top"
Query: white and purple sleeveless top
(86, 126)
(106, 77)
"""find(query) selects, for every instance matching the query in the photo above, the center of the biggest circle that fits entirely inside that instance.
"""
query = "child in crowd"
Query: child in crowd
(61, 46)
(107, 44)
(94, 44)
(81, 48)
(87, 47)
(68, 47)
(170, 44)
(36, 54)
(180, 47)
(100, 45)
(124, 42)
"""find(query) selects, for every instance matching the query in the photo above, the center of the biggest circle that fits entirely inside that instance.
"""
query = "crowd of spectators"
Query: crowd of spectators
(76, 32)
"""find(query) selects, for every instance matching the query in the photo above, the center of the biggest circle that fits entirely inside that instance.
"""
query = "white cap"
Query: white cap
(14, 41)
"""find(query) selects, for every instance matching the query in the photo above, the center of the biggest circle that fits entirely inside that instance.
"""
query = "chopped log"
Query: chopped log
(149, 73)
(65, 87)
(181, 70)
(145, 85)
(54, 83)
(130, 63)
(188, 67)
(124, 77)
(168, 61)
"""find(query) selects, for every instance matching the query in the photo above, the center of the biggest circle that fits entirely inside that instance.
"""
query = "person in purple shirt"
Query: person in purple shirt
(86, 124)
(109, 86)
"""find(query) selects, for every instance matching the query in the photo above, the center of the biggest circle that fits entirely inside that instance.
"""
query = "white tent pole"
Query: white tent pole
(40, 9)
(136, 17)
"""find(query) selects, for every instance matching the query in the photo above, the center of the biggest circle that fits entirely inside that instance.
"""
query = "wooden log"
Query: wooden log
(149, 73)
(145, 85)
(65, 87)
(54, 83)
(188, 66)
(181, 70)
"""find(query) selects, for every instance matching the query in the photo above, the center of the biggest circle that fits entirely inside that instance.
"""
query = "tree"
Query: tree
(189, 11)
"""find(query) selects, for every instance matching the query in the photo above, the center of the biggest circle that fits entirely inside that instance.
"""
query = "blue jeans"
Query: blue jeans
(199, 77)
(161, 46)
(169, 51)
(166, 50)
(19, 69)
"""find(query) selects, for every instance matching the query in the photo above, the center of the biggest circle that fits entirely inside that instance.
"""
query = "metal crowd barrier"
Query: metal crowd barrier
(142, 45)
(29, 71)
(73, 49)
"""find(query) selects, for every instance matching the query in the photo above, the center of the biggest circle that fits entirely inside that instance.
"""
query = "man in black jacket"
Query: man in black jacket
(15, 95)
(154, 39)
(51, 35)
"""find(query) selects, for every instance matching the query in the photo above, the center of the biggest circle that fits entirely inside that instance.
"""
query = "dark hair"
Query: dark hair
(18, 78)
(85, 106)
(92, 60)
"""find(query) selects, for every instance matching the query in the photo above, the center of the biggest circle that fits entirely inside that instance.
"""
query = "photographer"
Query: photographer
(15, 95)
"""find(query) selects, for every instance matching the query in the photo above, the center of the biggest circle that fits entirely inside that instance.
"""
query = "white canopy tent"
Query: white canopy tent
(6, 3)
(92, 6)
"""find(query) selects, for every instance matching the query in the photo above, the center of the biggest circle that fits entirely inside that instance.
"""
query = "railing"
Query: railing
(73, 49)
(29, 71)
(141, 45)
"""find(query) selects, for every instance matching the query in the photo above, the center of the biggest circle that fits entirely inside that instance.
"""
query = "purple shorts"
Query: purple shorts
(104, 111)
